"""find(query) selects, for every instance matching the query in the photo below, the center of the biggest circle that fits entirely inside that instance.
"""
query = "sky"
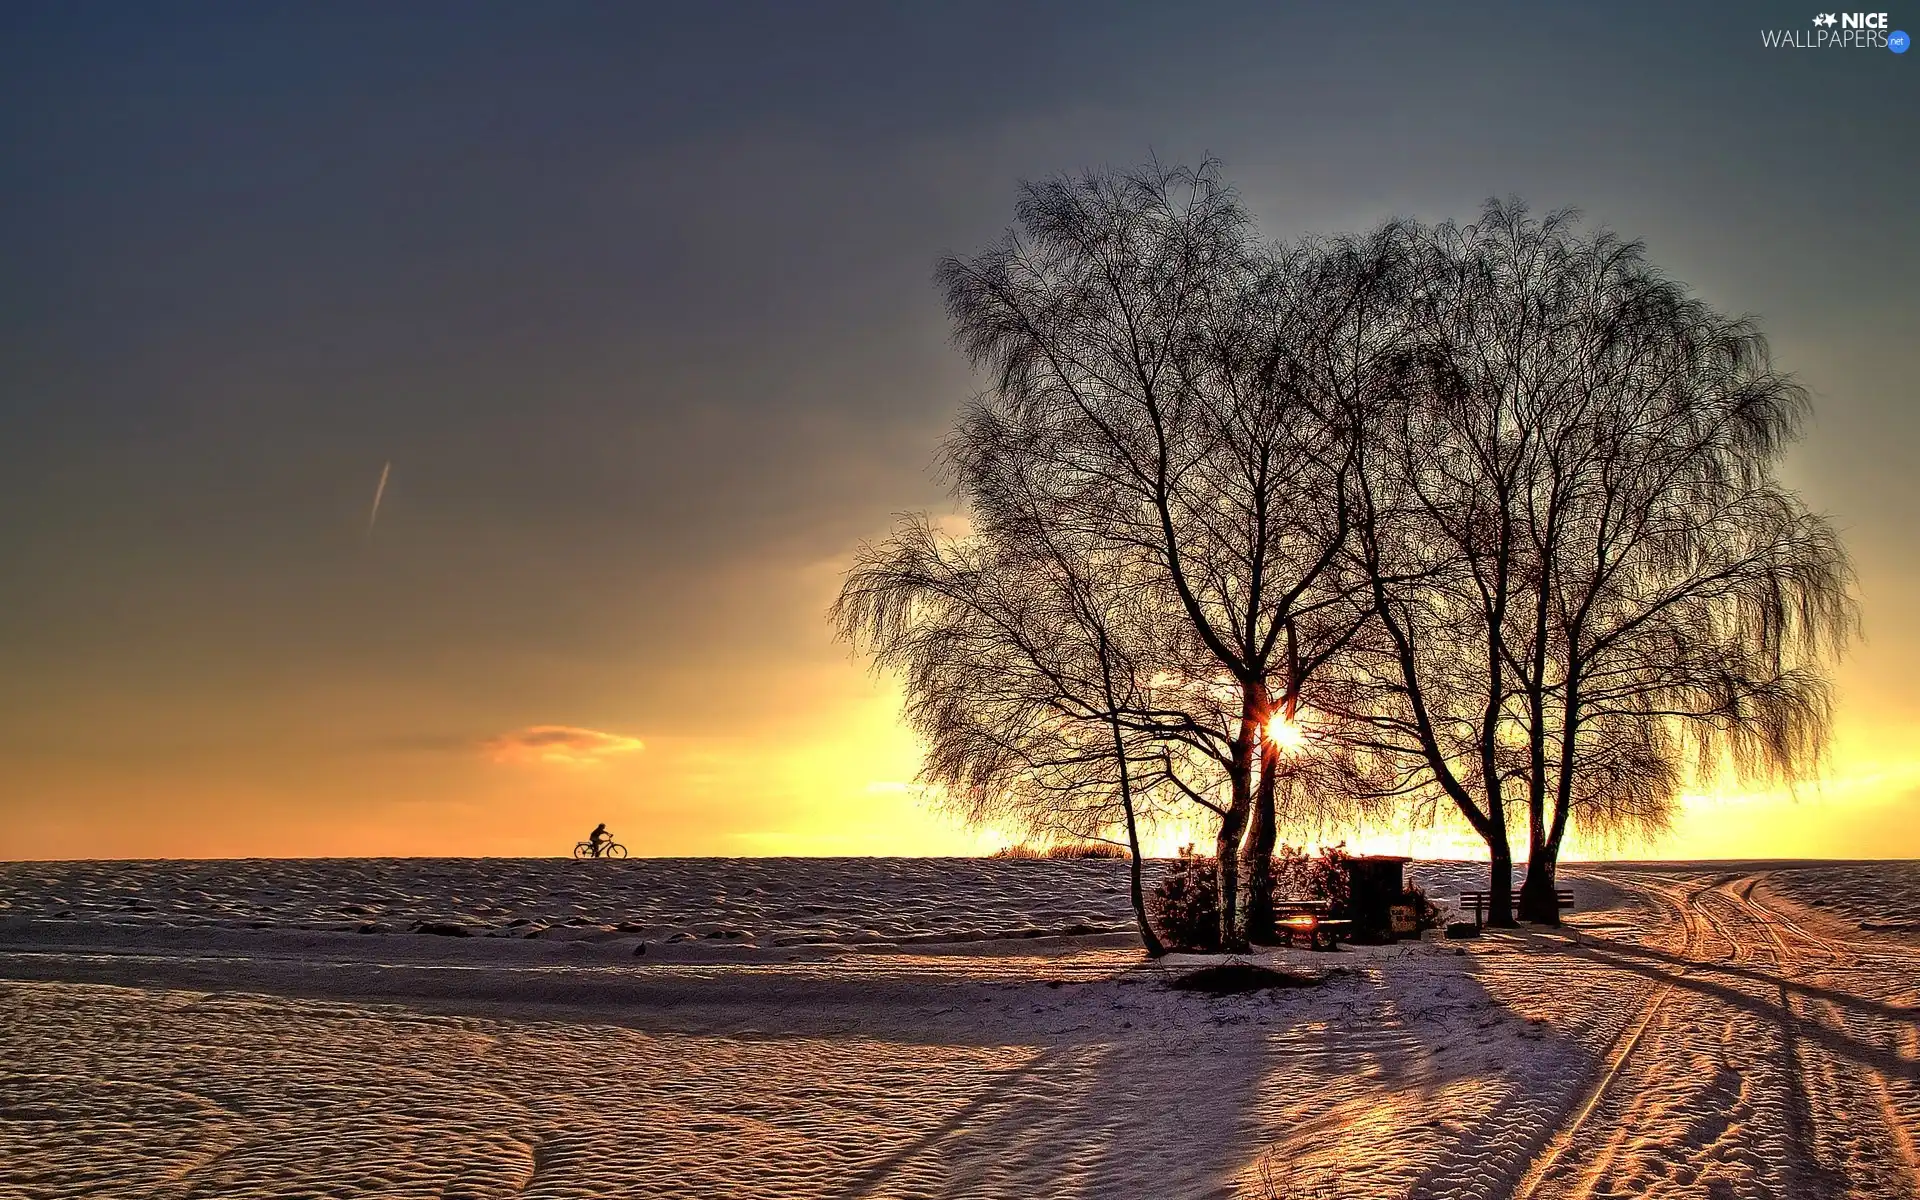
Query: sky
(636, 300)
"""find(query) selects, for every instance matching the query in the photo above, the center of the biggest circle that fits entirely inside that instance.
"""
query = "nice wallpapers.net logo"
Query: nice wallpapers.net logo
(1840, 31)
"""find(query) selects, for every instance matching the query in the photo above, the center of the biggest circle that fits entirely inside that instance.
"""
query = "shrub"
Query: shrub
(1426, 914)
(1239, 978)
(1022, 853)
(1299, 875)
(1185, 904)
(1087, 850)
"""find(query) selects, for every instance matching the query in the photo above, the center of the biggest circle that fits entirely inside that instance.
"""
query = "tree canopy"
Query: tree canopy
(1490, 510)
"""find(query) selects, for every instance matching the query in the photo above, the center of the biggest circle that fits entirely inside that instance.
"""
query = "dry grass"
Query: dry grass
(1087, 850)
(1071, 851)
(1280, 1181)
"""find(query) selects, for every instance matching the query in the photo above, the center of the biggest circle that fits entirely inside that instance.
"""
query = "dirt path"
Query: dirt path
(1769, 1059)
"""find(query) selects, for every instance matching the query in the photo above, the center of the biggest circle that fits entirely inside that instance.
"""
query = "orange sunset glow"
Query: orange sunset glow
(327, 548)
(970, 601)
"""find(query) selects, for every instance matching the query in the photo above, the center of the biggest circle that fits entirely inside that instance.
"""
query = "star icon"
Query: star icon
(1826, 19)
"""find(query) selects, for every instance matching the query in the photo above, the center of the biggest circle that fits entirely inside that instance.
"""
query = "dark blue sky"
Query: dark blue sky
(636, 299)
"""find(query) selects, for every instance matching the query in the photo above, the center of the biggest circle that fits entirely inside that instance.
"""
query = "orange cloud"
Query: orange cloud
(561, 744)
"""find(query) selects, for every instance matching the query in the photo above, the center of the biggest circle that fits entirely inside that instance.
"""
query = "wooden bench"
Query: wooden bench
(1307, 920)
(1481, 903)
(1295, 908)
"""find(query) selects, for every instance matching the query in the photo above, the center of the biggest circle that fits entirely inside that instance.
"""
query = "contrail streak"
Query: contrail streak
(378, 492)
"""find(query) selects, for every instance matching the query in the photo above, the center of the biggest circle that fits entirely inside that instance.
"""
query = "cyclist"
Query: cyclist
(599, 838)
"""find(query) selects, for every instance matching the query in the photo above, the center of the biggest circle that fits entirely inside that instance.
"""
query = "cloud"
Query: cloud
(560, 744)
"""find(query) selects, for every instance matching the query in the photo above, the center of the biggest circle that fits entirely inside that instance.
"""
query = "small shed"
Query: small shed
(1375, 884)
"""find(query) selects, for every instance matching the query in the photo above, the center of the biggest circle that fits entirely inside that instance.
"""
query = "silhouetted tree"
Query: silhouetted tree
(1151, 363)
(1494, 504)
(1027, 662)
(1585, 577)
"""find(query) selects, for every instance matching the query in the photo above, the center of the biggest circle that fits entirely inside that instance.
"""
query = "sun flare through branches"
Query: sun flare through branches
(1285, 734)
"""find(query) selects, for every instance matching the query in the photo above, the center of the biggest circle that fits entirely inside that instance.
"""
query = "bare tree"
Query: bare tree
(1027, 661)
(1495, 504)
(1585, 578)
(1152, 364)
(1685, 602)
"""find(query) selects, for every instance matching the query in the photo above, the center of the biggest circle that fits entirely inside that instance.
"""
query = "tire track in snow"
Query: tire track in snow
(1844, 1079)
(1616, 1060)
(1835, 1114)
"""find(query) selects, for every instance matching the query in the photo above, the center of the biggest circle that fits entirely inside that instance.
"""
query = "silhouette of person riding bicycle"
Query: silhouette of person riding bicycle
(599, 844)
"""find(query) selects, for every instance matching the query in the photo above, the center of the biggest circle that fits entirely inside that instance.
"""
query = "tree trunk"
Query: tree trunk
(1226, 846)
(1536, 891)
(1257, 910)
(1500, 882)
(1256, 865)
(1226, 862)
(1537, 903)
(1155, 947)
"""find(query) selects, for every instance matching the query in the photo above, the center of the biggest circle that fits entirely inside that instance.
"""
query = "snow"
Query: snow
(1874, 896)
(762, 902)
(1684, 1035)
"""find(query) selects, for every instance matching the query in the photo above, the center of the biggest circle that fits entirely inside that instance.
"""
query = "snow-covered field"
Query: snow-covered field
(1873, 896)
(760, 902)
(924, 1029)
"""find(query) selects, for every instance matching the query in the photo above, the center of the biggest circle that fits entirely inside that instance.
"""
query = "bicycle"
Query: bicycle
(604, 850)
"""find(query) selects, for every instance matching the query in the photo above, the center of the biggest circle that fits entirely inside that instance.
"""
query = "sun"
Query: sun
(1286, 736)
